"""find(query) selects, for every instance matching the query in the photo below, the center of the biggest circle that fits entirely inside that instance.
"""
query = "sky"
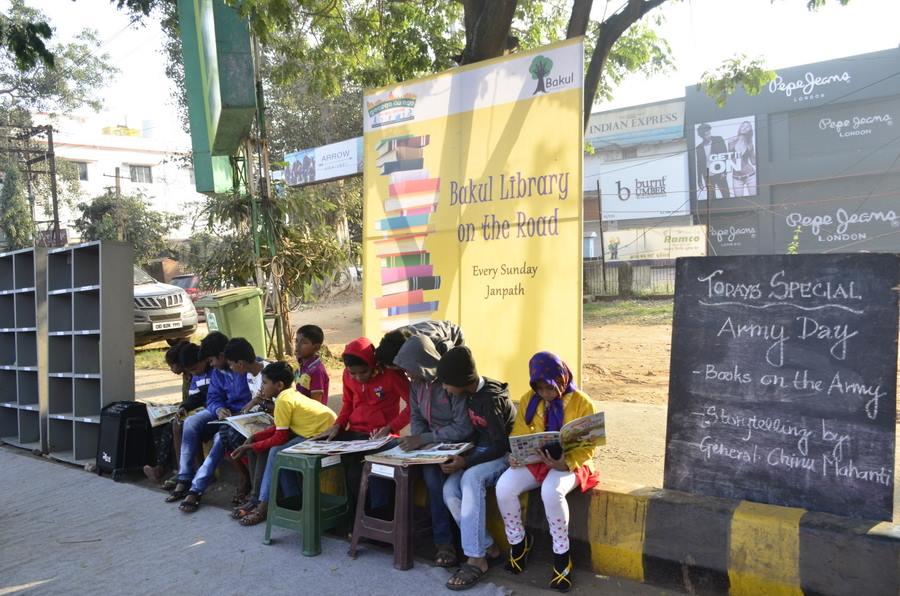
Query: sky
(702, 34)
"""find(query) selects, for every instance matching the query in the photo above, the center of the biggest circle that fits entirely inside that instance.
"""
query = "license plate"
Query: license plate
(166, 325)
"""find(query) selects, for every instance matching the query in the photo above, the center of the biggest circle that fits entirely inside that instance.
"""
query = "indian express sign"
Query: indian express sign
(641, 188)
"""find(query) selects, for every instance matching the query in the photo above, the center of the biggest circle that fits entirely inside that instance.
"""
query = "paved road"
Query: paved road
(65, 531)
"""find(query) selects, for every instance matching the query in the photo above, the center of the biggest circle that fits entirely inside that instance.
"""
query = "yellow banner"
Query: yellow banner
(473, 207)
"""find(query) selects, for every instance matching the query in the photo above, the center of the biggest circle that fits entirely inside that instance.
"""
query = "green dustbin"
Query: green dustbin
(237, 313)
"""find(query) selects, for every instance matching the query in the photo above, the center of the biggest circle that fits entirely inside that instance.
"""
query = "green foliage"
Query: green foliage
(540, 67)
(738, 71)
(639, 50)
(24, 43)
(16, 224)
(130, 218)
(794, 246)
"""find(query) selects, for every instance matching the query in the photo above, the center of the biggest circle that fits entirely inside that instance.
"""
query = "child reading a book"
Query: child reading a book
(370, 409)
(436, 417)
(443, 334)
(296, 418)
(312, 378)
(553, 401)
(471, 474)
(163, 439)
(227, 394)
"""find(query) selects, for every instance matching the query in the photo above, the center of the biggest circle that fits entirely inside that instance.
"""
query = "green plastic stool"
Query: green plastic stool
(318, 512)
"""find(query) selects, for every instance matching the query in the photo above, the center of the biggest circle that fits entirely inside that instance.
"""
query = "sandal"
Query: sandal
(240, 497)
(243, 510)
(181, 490)
(562, 573)
(518, 555)
(170, 484)
(445, 556)
(467, 576)
(190, 506)
(254, 517)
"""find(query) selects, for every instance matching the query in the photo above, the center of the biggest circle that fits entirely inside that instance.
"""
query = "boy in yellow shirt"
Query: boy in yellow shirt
(297, 417)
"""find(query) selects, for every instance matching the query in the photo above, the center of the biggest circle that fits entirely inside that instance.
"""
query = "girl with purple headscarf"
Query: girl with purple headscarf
(553, 401)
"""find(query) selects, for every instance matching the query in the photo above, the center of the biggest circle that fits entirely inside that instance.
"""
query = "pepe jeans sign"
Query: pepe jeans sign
(857, 126)
(808, 86)
(732, 235)
(640, 188)
(843, 225)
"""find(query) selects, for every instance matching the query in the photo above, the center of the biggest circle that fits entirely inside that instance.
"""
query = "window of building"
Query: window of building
(82, 170)
(141, 174)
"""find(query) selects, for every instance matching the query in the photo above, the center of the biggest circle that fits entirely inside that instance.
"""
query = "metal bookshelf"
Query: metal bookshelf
(90, 343)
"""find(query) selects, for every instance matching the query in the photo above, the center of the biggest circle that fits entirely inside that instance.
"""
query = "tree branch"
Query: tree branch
(491, 31)
(579, 19)
(610, 32)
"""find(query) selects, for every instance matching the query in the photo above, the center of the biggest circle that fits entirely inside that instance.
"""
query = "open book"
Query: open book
(248, 424)
(588, 431)
(336, 447)
(161, 414)
(433, 453)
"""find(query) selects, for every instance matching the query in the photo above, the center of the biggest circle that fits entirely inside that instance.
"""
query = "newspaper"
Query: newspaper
(248, 424)
(161, 414)
(337, 447)
(433, 453)
(588, 431)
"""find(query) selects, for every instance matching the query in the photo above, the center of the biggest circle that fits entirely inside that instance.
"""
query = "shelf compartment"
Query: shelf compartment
(86, 352)
(8, 386)
(26, 348)
(27, 382)
(86, 266)
(59, 438)
(7, 283)
(59, 270)
(29, 427)
(7, 349)
(86, 308)
(25, 308)
(86, 435)
(59, 312)
(7, 311)
(87, 398)
(9, 423)
(60, 356)
(60, 396)
(24, 269)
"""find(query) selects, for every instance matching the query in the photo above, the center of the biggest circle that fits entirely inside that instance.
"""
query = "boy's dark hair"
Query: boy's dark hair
(390, 344)
(279, 371)
(313, 333)
(213, 344)
(351, 360)
(189, 355)
(173, 352)
(239, 350)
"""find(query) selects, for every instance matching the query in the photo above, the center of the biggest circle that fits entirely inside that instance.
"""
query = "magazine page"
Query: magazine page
(337, 447)
(588, 431)
(161, 414)
(524, 448)
(434, 453)
(248, 424)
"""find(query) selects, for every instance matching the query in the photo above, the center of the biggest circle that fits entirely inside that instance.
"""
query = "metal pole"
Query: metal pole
(120, 221)
(708, 201)
(602, 246)
(51, 158)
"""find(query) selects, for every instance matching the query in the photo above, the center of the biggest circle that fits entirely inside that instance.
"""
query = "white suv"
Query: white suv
(161, 311)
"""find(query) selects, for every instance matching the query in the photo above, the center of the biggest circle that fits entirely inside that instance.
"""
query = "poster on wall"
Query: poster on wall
(328, 162)
(725, 152)
(638, 188)
(640, 244)
(472, 207)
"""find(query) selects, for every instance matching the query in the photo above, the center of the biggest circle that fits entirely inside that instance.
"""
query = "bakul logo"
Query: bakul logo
(391, 109)
(540, 71)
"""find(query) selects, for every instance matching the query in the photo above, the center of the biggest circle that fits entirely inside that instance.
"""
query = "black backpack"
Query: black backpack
(125, 440)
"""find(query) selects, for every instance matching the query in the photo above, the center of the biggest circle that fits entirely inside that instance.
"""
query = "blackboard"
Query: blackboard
(783, 377)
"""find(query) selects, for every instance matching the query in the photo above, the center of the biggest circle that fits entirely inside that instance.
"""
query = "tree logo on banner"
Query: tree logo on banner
(540, 69)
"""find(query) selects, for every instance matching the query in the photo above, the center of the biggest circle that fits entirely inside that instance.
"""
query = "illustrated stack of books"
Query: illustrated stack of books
(406, 270)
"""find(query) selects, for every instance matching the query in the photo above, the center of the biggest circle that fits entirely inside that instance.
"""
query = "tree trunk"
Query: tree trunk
(487, 28)
(579, 19)
(610, 32)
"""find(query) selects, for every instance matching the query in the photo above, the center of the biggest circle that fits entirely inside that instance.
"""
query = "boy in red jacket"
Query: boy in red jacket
(371, 408)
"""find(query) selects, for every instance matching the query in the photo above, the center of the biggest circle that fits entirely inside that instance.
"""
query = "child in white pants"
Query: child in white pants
(553, 401)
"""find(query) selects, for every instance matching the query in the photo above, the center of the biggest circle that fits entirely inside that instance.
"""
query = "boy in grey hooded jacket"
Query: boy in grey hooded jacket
(435, 417)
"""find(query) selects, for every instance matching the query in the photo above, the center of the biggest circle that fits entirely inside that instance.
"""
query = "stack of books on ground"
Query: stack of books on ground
(160, 414)
(407, 274)
(337, 447)
(248, 424)
(434, 453)
(588, 431)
